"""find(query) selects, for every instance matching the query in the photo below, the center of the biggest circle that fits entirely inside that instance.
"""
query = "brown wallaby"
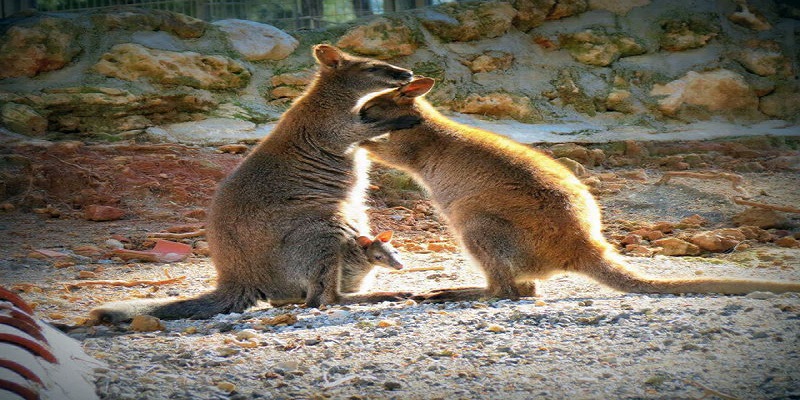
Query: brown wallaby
(359, 260)
(378, 252)
(520, 214)
(281, 224)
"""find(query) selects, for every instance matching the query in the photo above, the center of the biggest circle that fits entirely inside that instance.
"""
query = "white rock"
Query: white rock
(718, 90)
(257, 41)
(209, 132)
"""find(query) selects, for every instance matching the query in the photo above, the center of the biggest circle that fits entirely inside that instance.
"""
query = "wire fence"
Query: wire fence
(284, 14)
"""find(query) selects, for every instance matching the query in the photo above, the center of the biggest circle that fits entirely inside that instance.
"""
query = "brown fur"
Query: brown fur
(520, 214)
(282, 224)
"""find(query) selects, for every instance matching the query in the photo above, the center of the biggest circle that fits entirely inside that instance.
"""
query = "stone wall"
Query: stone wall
(114, 74)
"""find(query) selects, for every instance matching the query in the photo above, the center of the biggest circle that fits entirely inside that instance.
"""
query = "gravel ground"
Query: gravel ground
(578, 341)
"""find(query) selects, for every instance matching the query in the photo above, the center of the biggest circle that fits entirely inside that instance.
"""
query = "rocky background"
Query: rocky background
(111, 75)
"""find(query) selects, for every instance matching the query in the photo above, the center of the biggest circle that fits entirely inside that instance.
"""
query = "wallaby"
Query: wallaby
(377, 252)
(517, 212)
(357, 269)
(280, 224)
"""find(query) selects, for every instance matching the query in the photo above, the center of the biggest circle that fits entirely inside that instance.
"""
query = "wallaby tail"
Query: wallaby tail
(615, 273)
(220, 301)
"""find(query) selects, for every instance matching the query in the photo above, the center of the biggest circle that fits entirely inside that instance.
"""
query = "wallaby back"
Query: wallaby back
(517, 212)
(280, 222)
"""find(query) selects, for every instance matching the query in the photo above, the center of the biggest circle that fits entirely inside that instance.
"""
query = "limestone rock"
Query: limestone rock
(718, 240)
(531, 13)
(750, 19)
(146, 323)
(622, 100)
(23, 119)
(717, 91)
(498, 105)
(463, 22)
(676, 247)
(209, 132)
(784, 103)
(381, 38)
(680, 35)
(131, 62)
(567, 8)
(619, 7)
(568, 92)
(257, 41)
(490, 60)
(578, 153)
(596, 47)
(180, 25)
(760, 218)
(764, 58)
(787, 241)
(756, 233)
(108, 110)
(296, 78)
(29, 49)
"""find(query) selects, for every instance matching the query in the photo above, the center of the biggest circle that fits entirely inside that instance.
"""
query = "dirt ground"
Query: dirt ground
(164, 188)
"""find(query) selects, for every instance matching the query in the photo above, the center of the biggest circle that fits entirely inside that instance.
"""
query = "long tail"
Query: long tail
(220, 301)
(614, 273)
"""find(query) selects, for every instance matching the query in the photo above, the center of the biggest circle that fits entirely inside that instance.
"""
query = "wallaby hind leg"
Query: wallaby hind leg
(489, 241)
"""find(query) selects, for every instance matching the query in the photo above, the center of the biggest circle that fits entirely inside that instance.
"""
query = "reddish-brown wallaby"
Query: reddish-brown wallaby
(282, 224)
(518, 213)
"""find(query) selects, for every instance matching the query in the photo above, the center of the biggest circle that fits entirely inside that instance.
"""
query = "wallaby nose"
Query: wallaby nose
(403, 75)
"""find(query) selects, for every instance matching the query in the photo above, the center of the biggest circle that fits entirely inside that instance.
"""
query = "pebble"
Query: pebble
(226, 386)
(495, 328)
(761, 295)
(245, 334)
(146, 323)
(391, 385)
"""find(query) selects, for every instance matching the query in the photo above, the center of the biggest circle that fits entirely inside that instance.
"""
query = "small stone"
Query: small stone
(391, 385)
(409, 302)
(787, 241)
(86, 275)
(694, 220)
(539, 303)
(676, 247)
(226, 386)
(227, 351)
(96, 212)
(761, 218)
(146, 323)
(761, 295)
(283, 319)
(495, 328)
(245, 334)
(233, 148)
(385, 323)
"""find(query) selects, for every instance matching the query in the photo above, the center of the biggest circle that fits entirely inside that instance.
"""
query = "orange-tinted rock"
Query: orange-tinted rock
(96, 212)
(787, 241)
(676, 247)
(718, 240)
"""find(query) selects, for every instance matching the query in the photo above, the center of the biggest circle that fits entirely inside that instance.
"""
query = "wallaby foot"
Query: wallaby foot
(375, 297)
(527, 289)
(453, 294)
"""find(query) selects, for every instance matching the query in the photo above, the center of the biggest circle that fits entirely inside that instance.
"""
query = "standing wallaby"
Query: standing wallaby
(520, 214)
(281, 224)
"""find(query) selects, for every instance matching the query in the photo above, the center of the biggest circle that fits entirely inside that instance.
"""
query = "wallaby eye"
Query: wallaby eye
(378, 257)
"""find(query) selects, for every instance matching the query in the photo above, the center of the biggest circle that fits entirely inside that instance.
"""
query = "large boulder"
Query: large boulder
(717, 91)
(256, 41)
(23, 119)
(764, 58)
(131, 62)
(47, 44)
(498, 105)
(598, 48)
(784, 103)
(381, 38)
(619, 7)
(108, 110)
(463, 22)
(180, 25)
(680, 35)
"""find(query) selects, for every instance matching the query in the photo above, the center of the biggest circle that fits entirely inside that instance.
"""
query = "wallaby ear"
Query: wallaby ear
(418, 87)
(363, 241)
(328, 55)
(384, 237)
